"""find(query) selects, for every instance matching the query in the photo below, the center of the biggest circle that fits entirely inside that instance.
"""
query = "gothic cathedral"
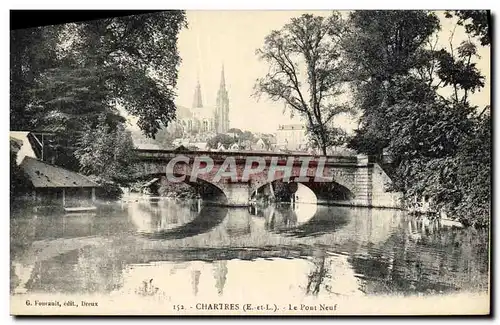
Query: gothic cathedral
(205, 121)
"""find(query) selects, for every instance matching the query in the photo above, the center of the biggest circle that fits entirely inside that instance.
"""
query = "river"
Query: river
(164, 247)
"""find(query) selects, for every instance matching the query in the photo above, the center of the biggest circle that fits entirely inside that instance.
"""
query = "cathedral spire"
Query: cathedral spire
(197, 96)
(222, 78)
(222, 106)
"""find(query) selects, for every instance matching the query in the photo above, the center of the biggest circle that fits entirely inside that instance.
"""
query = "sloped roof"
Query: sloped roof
(199, 145)
(298, 127)
(42, 174)
(183, 112)
(147, 146)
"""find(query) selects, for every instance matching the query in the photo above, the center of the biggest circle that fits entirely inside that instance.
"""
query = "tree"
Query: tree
(475, 22)
(421, 134)
(382, 47)
(132, 60)
(72, 98)
(440, 142)
(306, 52)
(70, 79)
(32, 51)
(235, 130)
(457, 178)
(247, 136)
(457, 69)
(224, 139)
(473, 162)
(165, 137)
(106, 152)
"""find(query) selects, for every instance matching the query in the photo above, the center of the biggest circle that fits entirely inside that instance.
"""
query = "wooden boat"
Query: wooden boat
(451, 223)
(80, 209)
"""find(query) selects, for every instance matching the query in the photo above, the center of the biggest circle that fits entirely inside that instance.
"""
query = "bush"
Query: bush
(108, 191)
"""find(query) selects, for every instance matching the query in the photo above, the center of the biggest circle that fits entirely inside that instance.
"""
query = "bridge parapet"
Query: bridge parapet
(220, 156)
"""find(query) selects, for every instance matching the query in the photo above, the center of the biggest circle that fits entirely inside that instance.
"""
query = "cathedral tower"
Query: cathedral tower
(197, 96)
(222, 106)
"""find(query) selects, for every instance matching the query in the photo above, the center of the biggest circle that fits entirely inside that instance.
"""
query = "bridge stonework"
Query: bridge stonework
(361, 183)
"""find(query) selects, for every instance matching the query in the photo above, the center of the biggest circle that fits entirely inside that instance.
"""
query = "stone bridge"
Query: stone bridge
(343, 180)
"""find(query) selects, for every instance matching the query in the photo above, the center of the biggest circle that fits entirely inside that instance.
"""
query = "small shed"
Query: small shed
(54, 185)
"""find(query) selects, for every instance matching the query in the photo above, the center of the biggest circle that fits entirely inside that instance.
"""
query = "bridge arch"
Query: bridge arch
(208, 191)
(325, 192)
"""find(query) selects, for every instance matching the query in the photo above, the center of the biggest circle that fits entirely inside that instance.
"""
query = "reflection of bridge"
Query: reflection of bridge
(346, 179)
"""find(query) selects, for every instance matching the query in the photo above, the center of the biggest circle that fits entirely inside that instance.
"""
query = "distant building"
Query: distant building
(291, 137)
(196, 124)
(260, 145)
(49, 184)
(199, 145)
(200, 119)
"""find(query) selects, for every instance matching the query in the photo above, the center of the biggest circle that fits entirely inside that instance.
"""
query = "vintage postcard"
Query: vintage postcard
(251, 163)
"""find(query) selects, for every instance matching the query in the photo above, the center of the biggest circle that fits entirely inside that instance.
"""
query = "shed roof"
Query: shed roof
(42, 174)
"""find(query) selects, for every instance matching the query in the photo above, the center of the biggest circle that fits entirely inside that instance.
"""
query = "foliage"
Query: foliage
(165, 136)
(370, 145)
(69, 98)
(440, 145)
(221, 138)
(107, 190)
(178, 190)
(281, 191)
(246, 136)
(71, 78)
(130, 60)
(106, 152)
(474, 175)
(382, 47)
(475, 22)
(311, 44)
(427, 130)
(459, 71)
(19, 182)
(32, 51)
(235, 130)
(458, 183)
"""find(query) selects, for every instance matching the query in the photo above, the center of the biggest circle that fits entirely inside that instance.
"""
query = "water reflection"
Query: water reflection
(332, 274)
(160, 249)
(170, 219)
(325, 220)
(282, 217)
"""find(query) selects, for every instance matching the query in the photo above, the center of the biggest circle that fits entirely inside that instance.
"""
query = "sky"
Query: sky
(230, 38)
